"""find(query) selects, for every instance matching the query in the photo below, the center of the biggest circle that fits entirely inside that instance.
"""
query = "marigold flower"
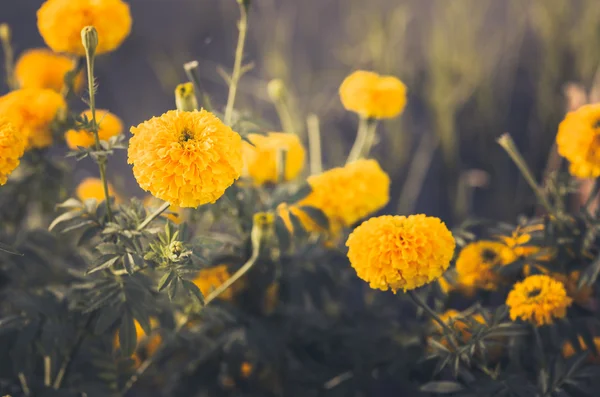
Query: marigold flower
(211, 278)
(538, 299)
(173, 212)
(32, 111)
(260, 160)
(476, 263)
(578, 140)
(349, 194)
(458, 322)
(12, 147)
(42, 68)
(92, 188)
(569, 351)
(185, 158)
(60, 23)
(373, 96)
(109, 125)
(399, 252)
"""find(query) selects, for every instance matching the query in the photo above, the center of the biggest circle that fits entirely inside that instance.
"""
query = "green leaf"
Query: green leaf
(108, 249)
(299, 230)
(165, 280)
(172, 290)
(12, 322)
(108, 316)
(127, 334)
(575, 363)
(70, 203)
(67, 216)
(193, 290)
(76, 226)
(442, 387)
(87, 235)
(299, 194)
(104, 264)
(283, 234)
(317, 215)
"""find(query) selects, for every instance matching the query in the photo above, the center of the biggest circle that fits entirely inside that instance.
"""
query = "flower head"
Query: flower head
(349, 194)
(568, 350)
(185, 158)
(211, 278)
(260, 160)
(399, 252)
(538, 299)
(32, 111)
(12, 146)
(373, 96)
(476, 263)
(109, 125)
(578, 140)
(92, 188)
(42, 68)
(60, 23)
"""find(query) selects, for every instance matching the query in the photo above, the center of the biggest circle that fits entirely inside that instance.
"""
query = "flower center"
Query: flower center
(597, 124)
(488, 255)
(186, 135)
(534, 293)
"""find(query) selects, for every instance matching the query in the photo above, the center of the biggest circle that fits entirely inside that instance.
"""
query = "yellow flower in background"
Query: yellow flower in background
(538, 299)
(148, 344)
(260, 160)
(185, 158)
(373, 96)
(12, 147)
(109, 125)
(569, 351)
(284, 210)
(42, 68)
(173, 213)
(32, 111)
(578, 140)
(92, 188)
(211, 278)
(349, 194)
(399, 252)
(458, 322)
(476, 263)
(60, 23)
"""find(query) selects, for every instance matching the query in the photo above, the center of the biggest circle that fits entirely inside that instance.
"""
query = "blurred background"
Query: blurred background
(474, 69)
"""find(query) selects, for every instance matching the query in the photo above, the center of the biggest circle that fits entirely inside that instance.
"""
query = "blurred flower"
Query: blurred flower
(476, 262)
(42, 68)
(449, 285)
(568, 350)
(271, 298)
(580, 295)
(284, 210)
(185, 158)
(373, 96)
(60, 23)
(260, 160)
(246, 369)
(109, 125)
(173, 213)
(538, 299)
(349, 194)
(92, 188)
(276, 90)
(12, 147)
(578, 140)
(457, 320)
(211, 278)
(399, 252)
(32, 111)
(148, 345)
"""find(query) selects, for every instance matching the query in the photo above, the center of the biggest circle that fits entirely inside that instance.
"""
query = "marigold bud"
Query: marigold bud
(185, 98)
(276, 90)
(5, 32)
(89, 38)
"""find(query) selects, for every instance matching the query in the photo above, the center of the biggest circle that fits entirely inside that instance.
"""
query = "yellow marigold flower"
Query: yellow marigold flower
(60, 23)
(476, 262)
(173, 213)
(31, 111)
(349, 194)
(109, 125)
(569, 351)
(211, 278)
(578, 140)
(260, 160)
(42, 68)
(373, 96)
(399, 252)
(185, 158)
(538, 299)
(580, 295)
(92, 188)
(12, 147)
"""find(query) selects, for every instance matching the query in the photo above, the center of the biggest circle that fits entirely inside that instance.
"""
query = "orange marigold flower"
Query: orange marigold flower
(60, 23)
(32, 111)
(349, 194)
(173, 213)
(12, 147)
(92, 188)
(476, 263)
(538, 299)
(569, 351)
(211, 278)
(42, 68)
(185, 158)
(260, 160)
(109, 125)
(578, 140)
(373, 96)
(399, 252)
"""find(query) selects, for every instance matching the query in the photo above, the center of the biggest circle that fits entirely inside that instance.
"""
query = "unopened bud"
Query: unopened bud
(185, 98)
(5, 32)
(245, 3)
(276, 90)
(189, 66)
(89, 38)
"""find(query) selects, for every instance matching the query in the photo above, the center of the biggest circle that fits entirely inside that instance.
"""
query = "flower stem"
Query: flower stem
(314, 144)
(71, 77)
(237, 67)
(153, 216)
(365, 136)
(9, 56)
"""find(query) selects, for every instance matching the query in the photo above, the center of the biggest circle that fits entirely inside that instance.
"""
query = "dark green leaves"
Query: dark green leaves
(127, 334)
(442, 387)
(317, 215)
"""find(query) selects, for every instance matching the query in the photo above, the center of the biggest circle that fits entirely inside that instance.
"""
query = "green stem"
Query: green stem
(71, 77)
(314, 144)
(237, 67)
(153, 216)
(9, 58)
(370, 138)
(236, 276)
(365, 137)
(285, 117)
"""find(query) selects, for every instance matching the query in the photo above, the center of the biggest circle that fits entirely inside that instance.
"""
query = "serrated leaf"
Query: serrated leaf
(127, 334)
(111, 297)
(104, 265)
(193, 290)
(127, 264)
(108, 316)
(172, 290)
(442, 387)
(317, 215)
(67, 216)
(165, 280)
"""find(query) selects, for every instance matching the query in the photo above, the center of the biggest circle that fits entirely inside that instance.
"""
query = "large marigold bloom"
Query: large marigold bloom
(109, 125)
(349, 194)
(60, 23)
(538, 299)
(260, 160)
(12, 147)
(578, 140)
(32, 111)
(373, 96)
(568, 350)
(185, 158)
(42, 68)
(92, 188)
(476, 263)
(399, 252)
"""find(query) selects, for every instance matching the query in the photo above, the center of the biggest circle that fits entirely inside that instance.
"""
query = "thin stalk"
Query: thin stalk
(237, 66)
(153, 216)
(314, 144)
(191, 71)
(47, 371)
(280, 162)
(359, 142)
(370, 138)
(66, 365)
(9, 56)
(285, 116)
(71, 77)
(24, 385)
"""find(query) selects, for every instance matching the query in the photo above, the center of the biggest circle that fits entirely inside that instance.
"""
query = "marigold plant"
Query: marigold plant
(578, 141)
(476, 265)
(92, 188)
(109, 125)
(12, 147)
